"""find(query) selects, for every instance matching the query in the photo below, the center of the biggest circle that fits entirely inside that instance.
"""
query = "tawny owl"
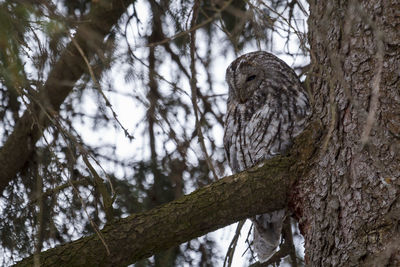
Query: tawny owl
(267, 108)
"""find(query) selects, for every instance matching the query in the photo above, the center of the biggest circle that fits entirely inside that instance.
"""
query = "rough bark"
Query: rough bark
(20, 145)
(349, 202)
(233, 198)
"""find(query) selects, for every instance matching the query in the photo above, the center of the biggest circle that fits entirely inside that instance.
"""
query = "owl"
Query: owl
(267, 108)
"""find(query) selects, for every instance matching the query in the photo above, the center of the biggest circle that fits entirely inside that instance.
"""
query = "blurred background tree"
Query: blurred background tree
(131, 131)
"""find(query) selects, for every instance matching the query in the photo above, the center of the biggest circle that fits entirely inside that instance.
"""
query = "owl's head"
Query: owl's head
(246, 74)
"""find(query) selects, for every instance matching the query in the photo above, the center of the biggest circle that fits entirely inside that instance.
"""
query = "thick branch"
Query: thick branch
(233, 198)
(228, 200)
(65, 72)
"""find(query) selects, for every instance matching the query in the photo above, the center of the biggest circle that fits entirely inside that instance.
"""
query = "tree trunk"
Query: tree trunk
(349, 202)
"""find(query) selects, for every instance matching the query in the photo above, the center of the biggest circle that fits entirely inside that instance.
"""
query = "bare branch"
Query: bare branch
(98, 87)
(232, 245)
(193, 28)
(193, 86)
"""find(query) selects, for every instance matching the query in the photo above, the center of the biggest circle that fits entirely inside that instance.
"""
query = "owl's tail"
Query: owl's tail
(267, 233)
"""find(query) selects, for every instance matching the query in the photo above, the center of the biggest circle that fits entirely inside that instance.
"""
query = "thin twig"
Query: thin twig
(56, 190)
(66, 134)
(39, 217)
(193, 87)
(289, 243)
(286, 21)
(98, 87)
(232, 245)
(95, 227)
(193, 27)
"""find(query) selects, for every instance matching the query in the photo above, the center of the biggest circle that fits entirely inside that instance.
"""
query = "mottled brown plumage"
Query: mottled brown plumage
(267, 108)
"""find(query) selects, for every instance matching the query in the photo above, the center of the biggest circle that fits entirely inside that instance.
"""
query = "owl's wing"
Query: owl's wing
(227, 146)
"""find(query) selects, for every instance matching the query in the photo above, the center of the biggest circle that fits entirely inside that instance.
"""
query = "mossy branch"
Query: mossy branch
(230, 199)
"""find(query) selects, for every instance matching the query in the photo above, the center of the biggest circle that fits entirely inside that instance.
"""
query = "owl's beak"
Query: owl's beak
(242, 98)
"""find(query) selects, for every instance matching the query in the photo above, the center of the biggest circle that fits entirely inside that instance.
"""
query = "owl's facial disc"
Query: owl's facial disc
(247, 85)
(243, 77)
